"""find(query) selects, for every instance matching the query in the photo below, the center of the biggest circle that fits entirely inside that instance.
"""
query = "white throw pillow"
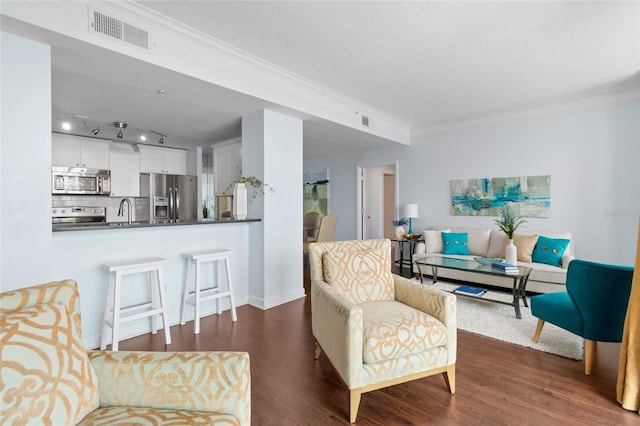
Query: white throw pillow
(433, 240)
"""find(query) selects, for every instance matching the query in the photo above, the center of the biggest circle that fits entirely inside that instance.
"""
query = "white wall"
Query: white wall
(272, 151)
(25, 163)
(592, 157)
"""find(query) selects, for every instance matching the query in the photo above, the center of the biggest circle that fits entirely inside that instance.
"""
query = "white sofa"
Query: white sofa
(487, 242)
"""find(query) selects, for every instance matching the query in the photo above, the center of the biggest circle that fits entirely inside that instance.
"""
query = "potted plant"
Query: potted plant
(259, 187)
(508, 222)
(240, 193)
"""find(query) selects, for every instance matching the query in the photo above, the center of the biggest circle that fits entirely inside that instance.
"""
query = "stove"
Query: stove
(78, 214)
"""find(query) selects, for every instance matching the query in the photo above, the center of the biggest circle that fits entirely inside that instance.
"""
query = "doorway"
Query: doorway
(376, 198)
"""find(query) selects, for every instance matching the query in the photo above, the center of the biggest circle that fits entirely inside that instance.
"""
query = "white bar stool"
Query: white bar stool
(195, 295)
(115, 314)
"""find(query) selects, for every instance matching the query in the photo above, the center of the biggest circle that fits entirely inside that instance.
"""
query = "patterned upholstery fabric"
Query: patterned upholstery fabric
(134, 387)
(215, 382)
(46, 375)
(358, 338)
(155, 417)
(393, 330)
(362, 276)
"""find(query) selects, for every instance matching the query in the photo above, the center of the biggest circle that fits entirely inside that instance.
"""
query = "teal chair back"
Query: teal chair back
(600, 293)
(594, 305)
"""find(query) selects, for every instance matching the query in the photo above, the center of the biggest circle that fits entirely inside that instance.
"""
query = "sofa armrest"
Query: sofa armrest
(566, 259)
(337, 325)
(437, 303)
(213, 382)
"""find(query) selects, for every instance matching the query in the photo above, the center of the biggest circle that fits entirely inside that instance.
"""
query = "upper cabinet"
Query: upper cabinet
(162, 160)
(227, 165)
(79, 151)
(125, 171)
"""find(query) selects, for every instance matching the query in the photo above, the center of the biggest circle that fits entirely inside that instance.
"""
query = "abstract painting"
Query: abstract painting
(529, 196)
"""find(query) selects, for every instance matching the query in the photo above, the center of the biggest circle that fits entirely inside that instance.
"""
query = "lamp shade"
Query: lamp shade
(410, 211)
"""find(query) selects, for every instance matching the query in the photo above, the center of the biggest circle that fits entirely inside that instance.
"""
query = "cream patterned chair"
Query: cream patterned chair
(377, 329)
(48, 378)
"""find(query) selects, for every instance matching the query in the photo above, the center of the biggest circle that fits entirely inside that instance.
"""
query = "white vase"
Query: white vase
(511, 253)
(239, 201)
(399, 232)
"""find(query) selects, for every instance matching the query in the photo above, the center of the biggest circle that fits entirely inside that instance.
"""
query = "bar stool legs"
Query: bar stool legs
(194, 294)
(115, 314)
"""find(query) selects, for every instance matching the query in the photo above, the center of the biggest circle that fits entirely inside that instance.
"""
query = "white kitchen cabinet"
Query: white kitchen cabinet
(125, 173)
(162, 160)
(227, 166)
(79, 151)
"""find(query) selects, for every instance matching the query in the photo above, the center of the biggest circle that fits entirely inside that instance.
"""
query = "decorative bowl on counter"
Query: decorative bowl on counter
(412, 237)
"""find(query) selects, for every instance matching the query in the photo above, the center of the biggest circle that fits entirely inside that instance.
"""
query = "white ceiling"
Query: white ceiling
(423, 63)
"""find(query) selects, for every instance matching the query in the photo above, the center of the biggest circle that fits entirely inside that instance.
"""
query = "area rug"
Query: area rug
(499, 322)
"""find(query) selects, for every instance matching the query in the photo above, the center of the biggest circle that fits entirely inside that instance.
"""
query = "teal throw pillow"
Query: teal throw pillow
(550, 250)
(455, 243)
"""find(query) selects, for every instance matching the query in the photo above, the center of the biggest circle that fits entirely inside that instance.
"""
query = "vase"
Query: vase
(399, 232)
(511, 253)
(239, 201)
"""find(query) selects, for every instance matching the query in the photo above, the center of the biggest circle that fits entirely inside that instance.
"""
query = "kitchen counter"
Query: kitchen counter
(63, 227)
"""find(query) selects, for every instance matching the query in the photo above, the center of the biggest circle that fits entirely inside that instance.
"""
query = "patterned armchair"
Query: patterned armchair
(376, 328)
(49, 378)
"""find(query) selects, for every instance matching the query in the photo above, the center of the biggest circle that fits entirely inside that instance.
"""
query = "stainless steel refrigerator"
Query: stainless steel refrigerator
(167, 198)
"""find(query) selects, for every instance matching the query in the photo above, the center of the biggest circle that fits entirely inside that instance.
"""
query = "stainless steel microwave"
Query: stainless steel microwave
(80, 180)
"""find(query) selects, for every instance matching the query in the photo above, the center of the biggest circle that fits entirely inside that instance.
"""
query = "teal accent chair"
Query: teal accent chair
(593, 307)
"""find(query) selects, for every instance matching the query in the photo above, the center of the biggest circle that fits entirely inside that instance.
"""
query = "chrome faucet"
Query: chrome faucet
(120, 213)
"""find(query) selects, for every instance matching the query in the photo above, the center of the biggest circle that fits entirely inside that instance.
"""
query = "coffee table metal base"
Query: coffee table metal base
(518, 290)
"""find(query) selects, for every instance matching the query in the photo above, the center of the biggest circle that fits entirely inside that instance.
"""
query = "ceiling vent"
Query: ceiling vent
(115, 28)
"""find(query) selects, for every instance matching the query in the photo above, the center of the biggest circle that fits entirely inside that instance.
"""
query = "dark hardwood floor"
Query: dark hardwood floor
(496, 383)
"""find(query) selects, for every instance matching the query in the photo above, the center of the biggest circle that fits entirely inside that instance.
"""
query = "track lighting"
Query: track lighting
(122, 128)
(120, 125)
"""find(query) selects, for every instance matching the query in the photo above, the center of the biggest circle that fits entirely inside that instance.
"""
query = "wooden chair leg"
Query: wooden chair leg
(317, 351)
(536, 335)
(589, 349)
(450, 378)
(354, 404)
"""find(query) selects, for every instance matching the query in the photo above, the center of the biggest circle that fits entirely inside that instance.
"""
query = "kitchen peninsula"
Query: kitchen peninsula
(80, 250)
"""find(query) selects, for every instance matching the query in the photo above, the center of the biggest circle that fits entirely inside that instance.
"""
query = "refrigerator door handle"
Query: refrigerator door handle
(171, 205)
(177, 206)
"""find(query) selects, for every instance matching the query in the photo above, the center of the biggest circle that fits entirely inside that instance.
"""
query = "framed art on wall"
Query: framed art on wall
(529, 196)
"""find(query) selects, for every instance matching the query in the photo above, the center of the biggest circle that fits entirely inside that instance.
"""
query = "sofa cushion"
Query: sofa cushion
(497, 241)
(433, 240)
(455, 243)
(478, 240)
(550, 250)
(360, 276)
(393, 330)
(46, 374)
(525, 244)
(142, 416)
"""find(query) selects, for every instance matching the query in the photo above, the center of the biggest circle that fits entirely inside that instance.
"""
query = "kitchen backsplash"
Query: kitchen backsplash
(111, 203)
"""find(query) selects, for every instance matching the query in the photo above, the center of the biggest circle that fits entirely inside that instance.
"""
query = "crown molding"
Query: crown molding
(586, 100)
(183, 49)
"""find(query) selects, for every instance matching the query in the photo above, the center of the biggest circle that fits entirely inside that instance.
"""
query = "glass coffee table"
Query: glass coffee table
(519, 279)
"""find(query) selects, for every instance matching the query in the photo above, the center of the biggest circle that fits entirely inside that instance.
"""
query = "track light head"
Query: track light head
(119, 134)
(161, 141)
(96, 131)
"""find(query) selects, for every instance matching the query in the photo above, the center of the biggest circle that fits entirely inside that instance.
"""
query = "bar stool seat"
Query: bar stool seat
(194, 294)
(115, 314)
